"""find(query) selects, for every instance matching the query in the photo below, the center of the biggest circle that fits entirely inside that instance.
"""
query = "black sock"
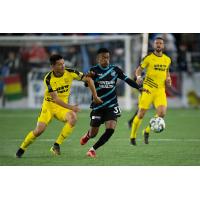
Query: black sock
(104, 138)
(56, 144)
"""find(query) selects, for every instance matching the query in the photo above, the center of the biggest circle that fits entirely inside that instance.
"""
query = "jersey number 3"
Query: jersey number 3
(117, 110)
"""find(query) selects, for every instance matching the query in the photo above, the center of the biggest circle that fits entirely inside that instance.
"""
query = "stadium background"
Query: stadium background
(24, 61)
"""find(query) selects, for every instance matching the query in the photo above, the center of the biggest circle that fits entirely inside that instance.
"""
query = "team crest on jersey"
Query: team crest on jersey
(113, 73)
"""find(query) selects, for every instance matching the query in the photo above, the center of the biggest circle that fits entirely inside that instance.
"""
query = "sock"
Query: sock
(148, 128)
(66, 131)
(104, 138)
(135, 126)
(28, 140)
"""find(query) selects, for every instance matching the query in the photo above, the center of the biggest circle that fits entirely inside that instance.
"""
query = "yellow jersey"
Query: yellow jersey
(60, 84)
(156, 70)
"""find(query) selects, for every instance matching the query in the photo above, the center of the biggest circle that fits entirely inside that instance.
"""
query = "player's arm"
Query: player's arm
(90, 83)
(129, 81)
(125, 78)
(168, 79)
(138, 73)
(58, 101)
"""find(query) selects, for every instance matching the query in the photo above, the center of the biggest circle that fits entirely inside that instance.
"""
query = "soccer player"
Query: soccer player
(105, 77)
(55, 104)
(157, 77)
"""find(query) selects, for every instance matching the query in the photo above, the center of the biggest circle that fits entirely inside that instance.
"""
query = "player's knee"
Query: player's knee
(38, 131)
(141, 114)
(72, 119)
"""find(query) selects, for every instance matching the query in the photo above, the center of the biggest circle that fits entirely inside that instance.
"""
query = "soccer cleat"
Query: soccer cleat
(91, 153)
(146, 137)
(19, 153)
(84, 139)
(55, 149)
(133, 141)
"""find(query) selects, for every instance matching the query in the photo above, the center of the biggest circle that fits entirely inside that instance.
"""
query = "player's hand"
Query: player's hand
(90, 74)
(97, 100)
(169, 81)
(75, 108)
(139, 80)
(144, 90)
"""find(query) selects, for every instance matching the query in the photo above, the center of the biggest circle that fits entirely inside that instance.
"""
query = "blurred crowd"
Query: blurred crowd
(184, 49)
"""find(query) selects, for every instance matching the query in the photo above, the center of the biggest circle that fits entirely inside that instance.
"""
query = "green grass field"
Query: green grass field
(178, 145)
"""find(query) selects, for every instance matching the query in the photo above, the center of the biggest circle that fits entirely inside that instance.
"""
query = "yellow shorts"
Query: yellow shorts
(157, 98)
(50, 110)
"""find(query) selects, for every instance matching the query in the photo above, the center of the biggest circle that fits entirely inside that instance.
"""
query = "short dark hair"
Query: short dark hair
(53, 58)
(103, 50)
(159, 38)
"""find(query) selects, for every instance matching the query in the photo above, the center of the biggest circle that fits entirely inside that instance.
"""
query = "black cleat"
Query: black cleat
(55, 149)
(19, 153)
(146, 138)
(133, 141)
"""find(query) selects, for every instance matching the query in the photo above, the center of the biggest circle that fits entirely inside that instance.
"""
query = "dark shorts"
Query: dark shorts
(98, 117)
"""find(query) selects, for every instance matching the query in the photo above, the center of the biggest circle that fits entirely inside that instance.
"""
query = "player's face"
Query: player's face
(103, 59)
(158, 45)
(59, 67)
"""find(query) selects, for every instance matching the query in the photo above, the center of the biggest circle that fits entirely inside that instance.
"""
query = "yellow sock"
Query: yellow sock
(148, 128)
(67, 129)
(135, 126)
(28, 140)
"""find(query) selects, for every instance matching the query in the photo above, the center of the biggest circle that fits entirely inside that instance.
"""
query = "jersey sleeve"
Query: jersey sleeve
(48, 85)
(120, 73)
(122, 76)
(76, 74)
(144, 63)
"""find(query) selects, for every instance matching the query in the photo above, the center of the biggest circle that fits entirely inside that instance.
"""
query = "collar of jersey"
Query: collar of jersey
(104, 68)
(158, 56)
(57, 76)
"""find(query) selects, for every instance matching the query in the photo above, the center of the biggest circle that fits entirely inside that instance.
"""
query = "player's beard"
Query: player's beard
(158, 50)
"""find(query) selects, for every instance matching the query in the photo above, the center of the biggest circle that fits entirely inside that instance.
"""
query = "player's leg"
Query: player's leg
(90, 134)
(136, 124)
(132, 118)
(44, 118)
(109, 116)
(95, 122)
(110, 128)
(146, 132)
(144, 104)
(160, 103)
(69, 118)
(30, 138)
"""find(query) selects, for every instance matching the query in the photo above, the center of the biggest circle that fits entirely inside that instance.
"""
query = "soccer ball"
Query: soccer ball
(157, 124)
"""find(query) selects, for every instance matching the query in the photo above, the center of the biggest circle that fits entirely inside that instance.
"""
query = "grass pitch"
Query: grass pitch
(178, 145)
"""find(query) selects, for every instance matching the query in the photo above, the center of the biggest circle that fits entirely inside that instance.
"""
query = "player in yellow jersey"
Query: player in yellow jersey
(157, 77)
(55, 104)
